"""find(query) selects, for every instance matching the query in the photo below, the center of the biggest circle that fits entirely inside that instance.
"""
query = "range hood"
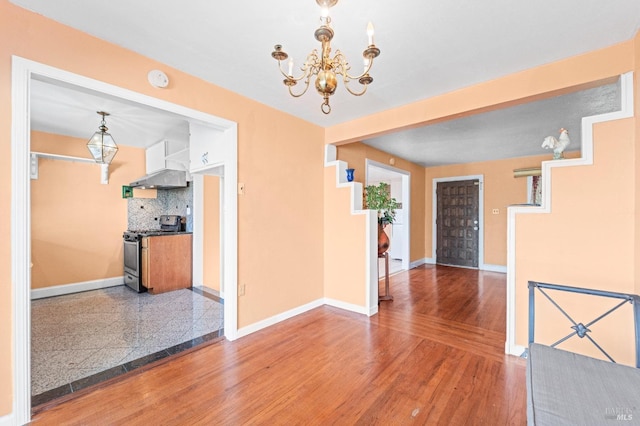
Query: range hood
(164, 179)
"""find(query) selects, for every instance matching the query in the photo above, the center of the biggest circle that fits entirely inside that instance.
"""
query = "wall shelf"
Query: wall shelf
(104, 168)
(529, 171)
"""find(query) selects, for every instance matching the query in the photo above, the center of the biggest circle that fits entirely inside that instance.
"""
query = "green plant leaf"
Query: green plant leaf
(378, 197)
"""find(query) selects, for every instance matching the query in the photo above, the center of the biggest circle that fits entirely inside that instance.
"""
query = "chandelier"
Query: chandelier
(325, 68)
(101, 145)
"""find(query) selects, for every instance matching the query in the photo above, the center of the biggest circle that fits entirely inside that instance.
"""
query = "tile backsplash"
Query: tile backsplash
(143, 213)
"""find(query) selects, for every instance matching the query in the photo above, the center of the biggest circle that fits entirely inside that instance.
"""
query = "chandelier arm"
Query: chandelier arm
(306, 87)
(358, 77)
(346, 86)
(311, 67)
(340, 59)
(288, 77)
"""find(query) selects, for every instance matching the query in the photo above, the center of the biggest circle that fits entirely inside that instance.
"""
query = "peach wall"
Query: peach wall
(77, 222)
(280, 159)
(344, 244)
(356, 153)
(588, 239)
(501, 189)
(211, 238)
(280, 220)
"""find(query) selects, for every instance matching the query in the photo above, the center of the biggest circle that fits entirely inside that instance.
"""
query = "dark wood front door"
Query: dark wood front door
(457, 223)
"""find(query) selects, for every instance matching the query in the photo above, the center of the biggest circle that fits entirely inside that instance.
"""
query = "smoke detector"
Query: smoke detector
(158, 79)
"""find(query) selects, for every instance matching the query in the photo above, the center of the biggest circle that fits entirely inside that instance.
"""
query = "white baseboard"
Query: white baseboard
(494, 268)
(515, 350)
(59, 290)
(432, 261)
(245, 331)
(8, 420)
(423, 261)
(349, 306)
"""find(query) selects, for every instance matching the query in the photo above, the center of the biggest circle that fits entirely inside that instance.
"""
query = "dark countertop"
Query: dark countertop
(159, 233)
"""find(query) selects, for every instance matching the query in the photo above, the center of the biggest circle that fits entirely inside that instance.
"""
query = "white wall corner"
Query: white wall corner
(330, 154)
(371, 252)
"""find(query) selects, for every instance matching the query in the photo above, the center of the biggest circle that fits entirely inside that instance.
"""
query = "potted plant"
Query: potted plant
(378, 197)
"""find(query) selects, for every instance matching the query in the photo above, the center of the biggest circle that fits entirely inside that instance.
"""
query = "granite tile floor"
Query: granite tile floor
(81, 339)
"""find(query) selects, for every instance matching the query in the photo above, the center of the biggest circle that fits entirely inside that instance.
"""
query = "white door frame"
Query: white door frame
(23, 70)
(434, 206)
(406, 206)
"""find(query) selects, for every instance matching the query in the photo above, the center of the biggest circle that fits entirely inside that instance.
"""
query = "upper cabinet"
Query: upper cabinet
(208, 146)
(167, 154)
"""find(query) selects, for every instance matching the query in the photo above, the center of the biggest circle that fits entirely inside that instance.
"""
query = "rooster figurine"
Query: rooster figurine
(558, 145)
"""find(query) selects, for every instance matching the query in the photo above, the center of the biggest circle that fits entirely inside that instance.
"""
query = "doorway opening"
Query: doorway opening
(458, 225)
(400, 230)
(23, 72)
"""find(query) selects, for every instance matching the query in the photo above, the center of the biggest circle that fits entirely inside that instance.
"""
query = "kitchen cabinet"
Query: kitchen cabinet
(167, 154)
(166, 262)
(207, 146)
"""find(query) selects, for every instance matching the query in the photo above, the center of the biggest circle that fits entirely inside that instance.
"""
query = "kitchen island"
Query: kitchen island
(166, 262)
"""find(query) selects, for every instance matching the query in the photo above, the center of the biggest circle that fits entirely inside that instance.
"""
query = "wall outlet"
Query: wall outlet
(495, 211)
(241, 289)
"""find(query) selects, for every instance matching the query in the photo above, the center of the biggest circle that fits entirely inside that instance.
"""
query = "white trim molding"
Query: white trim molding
(268, 322)
(494, 268)
(423, 261)
(350, 307)
(59, 290)
(21, 238)
(626, 111)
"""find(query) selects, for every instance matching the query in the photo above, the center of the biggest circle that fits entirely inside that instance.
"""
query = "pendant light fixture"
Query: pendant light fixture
(101, 145)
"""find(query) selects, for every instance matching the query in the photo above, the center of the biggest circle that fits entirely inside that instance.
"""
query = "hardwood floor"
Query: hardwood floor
(432, 356)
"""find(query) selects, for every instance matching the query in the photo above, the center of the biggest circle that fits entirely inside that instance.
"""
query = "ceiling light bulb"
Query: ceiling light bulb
(324, 12)
(370, 33)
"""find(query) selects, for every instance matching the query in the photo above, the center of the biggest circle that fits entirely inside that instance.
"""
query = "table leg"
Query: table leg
(386, 295)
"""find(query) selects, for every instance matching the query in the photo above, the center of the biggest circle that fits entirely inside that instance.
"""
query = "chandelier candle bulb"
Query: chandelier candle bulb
(370, 33)
(290, 67)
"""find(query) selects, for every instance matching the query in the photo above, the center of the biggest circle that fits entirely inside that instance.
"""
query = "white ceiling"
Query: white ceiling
(72, 111)
(428, 48)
